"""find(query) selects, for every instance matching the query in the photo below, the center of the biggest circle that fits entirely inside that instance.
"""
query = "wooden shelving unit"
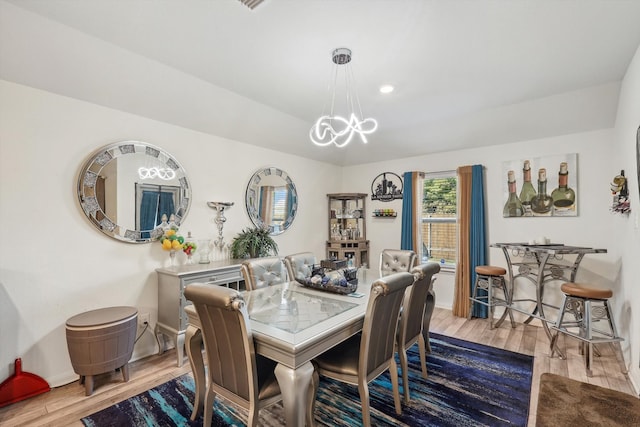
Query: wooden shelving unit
(347, 228)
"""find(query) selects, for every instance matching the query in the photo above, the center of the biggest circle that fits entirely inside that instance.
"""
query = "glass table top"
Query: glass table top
(292, 310)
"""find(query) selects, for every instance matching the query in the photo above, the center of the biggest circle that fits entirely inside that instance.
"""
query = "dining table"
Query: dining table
(291, 324)
(539, 265)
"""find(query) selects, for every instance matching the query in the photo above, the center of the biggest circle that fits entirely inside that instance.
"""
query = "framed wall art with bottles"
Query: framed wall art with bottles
(541, 186)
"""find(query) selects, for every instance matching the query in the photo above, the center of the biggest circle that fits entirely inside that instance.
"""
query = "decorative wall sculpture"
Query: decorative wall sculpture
(386, 187)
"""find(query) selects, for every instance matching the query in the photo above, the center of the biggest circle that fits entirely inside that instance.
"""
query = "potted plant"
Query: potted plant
(253, 243)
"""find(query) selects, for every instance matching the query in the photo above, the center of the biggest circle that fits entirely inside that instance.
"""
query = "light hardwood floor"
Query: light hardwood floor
(65, 406)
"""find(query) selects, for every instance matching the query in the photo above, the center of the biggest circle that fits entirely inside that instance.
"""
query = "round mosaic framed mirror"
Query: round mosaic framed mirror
(126, 189)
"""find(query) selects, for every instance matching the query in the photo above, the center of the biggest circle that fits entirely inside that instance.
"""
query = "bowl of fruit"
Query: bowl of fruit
(189, 248)
(172, 242)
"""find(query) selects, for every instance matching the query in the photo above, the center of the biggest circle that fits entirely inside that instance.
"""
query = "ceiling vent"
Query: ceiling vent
(251, 4)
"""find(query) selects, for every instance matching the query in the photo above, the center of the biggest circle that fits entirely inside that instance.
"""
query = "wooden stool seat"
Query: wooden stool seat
(490, 270)
(585, 291)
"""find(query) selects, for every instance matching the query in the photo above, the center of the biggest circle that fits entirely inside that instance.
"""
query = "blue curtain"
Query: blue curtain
(290, 202)
(477, 233)
(165, 207)
(411, 234)
(149, 211)
(261, 202)
(406, 239)
(152, 206)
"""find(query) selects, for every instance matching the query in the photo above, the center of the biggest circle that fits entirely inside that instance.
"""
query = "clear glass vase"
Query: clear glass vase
(204, 248)
(172, 258)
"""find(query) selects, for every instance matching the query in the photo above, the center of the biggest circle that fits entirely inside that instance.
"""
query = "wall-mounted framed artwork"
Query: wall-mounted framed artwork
(541, 186)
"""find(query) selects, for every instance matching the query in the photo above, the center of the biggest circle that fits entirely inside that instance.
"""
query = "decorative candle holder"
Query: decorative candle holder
(219, 220)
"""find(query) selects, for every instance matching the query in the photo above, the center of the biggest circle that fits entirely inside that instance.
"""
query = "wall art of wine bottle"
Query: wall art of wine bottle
(541, 186)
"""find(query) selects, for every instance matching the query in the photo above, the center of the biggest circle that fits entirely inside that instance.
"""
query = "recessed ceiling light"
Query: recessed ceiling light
(386, 89)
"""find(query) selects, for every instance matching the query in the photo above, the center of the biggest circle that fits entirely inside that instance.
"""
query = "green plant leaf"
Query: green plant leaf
(253, 242)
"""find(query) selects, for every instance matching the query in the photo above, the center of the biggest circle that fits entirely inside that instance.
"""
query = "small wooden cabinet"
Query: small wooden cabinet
(172, 320)
(348, 228)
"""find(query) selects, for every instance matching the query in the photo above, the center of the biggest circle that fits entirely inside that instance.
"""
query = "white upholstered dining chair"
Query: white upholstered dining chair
(300, 265)
(396, 260)
(261, 272)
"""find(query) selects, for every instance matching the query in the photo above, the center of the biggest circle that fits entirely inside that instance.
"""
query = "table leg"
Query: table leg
(294, 386)
(194, 351)
(162, 332)
(540, 307)
(540, 292)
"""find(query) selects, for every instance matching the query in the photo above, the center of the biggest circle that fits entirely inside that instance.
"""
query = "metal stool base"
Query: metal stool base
(586, 316)
(489, 284)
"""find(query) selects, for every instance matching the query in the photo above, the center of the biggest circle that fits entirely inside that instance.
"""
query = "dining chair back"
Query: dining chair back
(300, 265)
(363, 357)
(430, 305)
(234, 370)
(396, 260)
(262, 272)
(411, 320)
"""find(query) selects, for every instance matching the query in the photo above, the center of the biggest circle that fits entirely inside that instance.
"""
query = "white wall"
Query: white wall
(54, 264)
(625, 229)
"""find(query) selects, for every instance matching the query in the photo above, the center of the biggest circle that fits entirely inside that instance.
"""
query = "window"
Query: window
(439, 218)
(279, 204)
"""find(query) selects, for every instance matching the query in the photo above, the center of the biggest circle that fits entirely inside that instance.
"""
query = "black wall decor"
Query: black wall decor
(386, 187)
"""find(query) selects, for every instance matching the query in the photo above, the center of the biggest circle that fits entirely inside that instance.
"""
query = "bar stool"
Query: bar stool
(489, 278)
(588, 305)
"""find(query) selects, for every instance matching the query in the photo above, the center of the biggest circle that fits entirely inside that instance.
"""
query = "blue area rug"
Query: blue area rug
(468, 385)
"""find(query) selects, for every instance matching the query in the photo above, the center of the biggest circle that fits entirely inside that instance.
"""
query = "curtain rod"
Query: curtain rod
(435, 174)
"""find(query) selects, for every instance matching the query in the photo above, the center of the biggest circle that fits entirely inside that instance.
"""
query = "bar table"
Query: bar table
(541, 264)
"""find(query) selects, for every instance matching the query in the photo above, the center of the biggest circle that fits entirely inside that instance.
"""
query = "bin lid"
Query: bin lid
(102, 316)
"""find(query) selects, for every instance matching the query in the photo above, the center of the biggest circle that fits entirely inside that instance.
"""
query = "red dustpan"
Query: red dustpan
(20, 386)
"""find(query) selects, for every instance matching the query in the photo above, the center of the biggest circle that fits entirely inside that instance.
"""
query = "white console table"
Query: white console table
(172, 320)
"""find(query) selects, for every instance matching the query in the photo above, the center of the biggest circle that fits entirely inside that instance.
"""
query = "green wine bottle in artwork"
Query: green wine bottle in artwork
(513, 207)
(542, 203)
(564, 198)
(527, 192)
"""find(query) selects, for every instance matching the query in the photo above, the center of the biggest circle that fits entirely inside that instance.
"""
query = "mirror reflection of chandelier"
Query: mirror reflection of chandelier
(166, 174)
(336, 129)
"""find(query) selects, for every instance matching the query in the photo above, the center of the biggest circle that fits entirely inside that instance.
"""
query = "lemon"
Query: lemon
(166, 244)
(176, 245)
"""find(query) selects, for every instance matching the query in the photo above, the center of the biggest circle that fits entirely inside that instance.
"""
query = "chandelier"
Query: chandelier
(166, 174)
(336, 129)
